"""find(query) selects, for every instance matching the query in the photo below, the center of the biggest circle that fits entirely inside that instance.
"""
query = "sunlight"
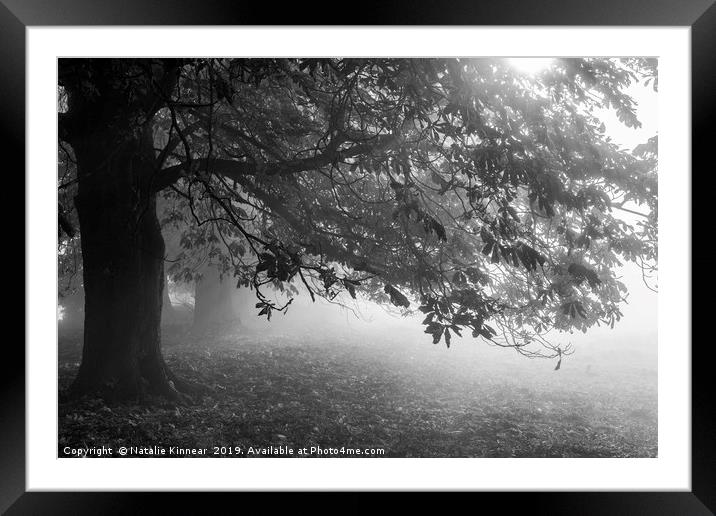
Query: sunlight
(421, 249)
(530, 65)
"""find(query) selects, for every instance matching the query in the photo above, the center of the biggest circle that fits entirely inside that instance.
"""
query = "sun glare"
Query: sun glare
(530, 65)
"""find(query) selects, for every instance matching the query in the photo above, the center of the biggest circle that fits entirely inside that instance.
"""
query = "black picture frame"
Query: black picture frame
(700, 15)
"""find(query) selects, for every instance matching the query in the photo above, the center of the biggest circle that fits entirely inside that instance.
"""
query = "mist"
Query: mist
(221, 337)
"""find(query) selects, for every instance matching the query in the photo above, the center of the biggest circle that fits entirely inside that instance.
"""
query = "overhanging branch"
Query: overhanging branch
(236, 169)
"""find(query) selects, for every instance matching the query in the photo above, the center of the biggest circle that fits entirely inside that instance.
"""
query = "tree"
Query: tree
(213, 300)
(485, 197)
(195, 259)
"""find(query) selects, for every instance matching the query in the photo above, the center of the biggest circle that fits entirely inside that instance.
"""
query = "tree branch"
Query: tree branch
(236, 169)
(64, 222)
(632, 211)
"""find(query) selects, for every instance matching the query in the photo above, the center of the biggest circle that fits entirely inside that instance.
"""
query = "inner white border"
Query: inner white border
(670, 471)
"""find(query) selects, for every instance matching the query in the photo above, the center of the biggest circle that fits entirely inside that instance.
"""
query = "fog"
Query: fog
(631, 345)
(355, 373)
(632, 342)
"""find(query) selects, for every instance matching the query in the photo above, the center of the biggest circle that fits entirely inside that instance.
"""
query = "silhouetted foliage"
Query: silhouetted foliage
(484, 197)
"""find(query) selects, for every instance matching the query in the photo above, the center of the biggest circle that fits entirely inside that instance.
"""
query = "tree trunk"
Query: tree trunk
(110, 106)
(213, 304)
(123, 268)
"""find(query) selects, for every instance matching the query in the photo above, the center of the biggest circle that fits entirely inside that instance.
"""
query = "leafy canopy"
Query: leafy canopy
(487, 199)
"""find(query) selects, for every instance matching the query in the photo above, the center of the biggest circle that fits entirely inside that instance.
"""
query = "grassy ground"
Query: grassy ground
(383, 390)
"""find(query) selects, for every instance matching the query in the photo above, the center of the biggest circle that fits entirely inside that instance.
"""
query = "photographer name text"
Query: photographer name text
(221, 451)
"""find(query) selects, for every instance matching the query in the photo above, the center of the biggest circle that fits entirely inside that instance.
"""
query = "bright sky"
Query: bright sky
(638, 327)
(647, 113)
(640, 315)
(637, 330)
(639, 324)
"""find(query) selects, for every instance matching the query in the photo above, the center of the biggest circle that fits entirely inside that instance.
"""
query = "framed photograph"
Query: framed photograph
(437, 250)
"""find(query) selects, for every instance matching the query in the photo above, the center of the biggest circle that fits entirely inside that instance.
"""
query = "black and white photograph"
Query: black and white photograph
(357, 257)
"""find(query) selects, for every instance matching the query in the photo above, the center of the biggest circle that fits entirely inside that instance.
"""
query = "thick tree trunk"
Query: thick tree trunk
(123, 267)
(110, 107)
(213, 303)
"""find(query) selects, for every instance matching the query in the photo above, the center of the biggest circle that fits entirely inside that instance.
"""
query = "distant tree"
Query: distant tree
(485, 198)
(198, 255)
